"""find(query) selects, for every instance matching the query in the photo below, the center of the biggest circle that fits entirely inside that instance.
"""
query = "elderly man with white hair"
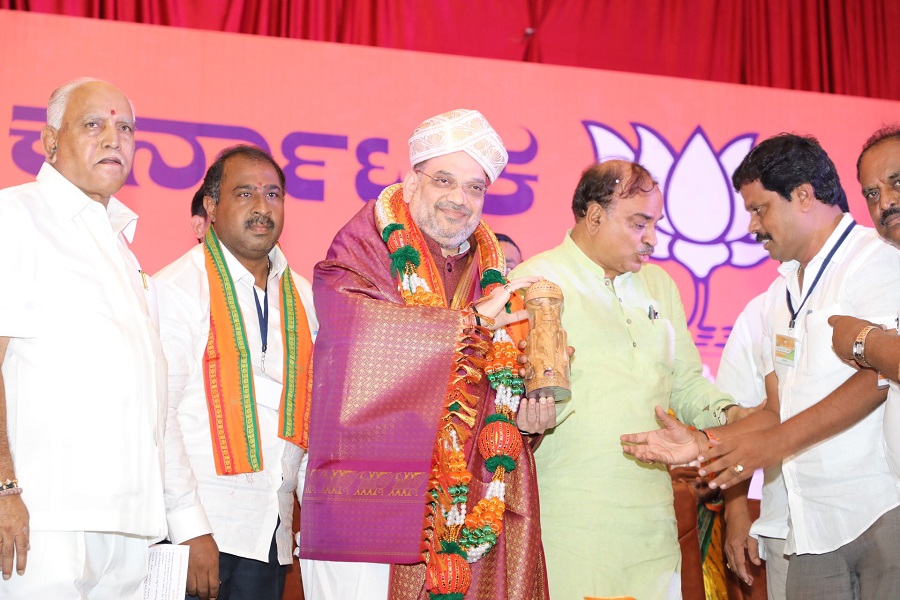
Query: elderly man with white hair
(419, 481)
(82, 402)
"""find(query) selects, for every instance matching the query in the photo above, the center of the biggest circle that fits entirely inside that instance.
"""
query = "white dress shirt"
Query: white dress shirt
(239, 510)
(840, 486)
(746, 360)
(84, 372)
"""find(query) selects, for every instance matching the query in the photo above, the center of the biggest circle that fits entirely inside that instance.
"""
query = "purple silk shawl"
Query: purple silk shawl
(380, 377)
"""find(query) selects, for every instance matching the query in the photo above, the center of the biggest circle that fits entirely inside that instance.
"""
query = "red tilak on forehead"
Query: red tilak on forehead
(113, 112)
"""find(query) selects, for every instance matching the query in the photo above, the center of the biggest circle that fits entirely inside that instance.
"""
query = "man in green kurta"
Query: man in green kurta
(607, 520)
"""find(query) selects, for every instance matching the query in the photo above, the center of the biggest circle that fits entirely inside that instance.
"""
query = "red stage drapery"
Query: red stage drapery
(816, 45)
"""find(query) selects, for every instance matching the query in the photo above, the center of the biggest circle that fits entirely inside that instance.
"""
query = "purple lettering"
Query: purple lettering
(300, 187)
(365, 187)
(522, 198)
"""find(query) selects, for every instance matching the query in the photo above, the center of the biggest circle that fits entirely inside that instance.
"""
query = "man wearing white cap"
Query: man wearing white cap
(419, 483)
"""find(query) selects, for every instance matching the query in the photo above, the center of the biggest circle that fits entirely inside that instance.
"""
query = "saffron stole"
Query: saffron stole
(228, 373)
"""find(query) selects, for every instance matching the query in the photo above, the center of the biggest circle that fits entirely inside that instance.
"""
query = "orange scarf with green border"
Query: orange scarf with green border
(228, 373)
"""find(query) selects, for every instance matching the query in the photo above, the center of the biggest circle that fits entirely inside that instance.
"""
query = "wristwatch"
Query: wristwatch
(859, 347)
(721, 414)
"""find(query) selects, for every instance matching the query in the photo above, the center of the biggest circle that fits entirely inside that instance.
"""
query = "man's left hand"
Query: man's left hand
(14, 535)
(674, 444)
(536, 415)
(203, 567)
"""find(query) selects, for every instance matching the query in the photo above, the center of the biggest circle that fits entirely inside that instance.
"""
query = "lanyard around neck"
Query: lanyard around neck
(262, 313)
(810, 289)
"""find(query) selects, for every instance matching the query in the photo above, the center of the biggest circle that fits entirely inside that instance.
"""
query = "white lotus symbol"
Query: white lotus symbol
(705, 223)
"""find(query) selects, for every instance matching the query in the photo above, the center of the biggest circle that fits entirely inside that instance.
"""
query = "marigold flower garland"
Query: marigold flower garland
(454, 536)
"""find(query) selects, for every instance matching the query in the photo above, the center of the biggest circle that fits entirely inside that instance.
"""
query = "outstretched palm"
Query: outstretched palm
(674, 444)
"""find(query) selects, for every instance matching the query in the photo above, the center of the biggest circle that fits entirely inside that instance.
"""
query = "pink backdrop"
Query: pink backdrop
(337, 118)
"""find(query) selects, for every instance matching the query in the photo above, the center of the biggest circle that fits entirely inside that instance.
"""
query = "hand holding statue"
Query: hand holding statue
(493, 306)
(536, 415)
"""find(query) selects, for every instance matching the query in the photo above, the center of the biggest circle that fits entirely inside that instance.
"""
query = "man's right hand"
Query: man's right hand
(203, 567)
(14, 535)
(493, 306)
(734, 460)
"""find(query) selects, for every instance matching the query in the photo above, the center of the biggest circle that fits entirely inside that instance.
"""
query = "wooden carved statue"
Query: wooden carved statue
(546, 342)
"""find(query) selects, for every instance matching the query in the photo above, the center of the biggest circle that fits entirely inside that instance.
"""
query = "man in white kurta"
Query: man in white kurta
(607, 520)
(839, 541)
(239, 511)
(82, 368)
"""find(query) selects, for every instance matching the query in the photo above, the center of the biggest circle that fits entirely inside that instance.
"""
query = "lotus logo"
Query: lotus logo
(705, 223)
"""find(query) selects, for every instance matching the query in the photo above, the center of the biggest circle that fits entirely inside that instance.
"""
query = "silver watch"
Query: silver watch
(721, 415)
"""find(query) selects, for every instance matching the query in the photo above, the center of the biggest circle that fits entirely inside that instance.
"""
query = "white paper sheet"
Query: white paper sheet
(166, 572)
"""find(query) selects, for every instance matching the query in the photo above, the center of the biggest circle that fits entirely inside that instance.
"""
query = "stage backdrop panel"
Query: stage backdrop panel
(337, 118)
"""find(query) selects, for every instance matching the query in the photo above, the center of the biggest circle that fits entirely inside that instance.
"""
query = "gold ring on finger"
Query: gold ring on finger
(738, 469)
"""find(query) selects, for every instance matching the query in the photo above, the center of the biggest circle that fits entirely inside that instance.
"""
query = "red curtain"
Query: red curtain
(817, 45)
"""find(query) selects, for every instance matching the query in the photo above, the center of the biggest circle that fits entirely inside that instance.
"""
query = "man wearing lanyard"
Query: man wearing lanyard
(844, 517)
(237, 328)
(841, 543)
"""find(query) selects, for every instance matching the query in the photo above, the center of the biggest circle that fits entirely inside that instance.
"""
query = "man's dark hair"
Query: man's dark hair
(197, 209)
(502, 237)
(600, 181)
(885, 133)
(212, 182)
(786, 161)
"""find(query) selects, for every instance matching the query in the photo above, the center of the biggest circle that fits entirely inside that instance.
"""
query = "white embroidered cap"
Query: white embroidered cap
(459, 130)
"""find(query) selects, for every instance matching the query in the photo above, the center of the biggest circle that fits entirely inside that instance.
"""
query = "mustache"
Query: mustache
(763, 237)
(894, 210)
(648, 250)
(451, 206)
(259, 220)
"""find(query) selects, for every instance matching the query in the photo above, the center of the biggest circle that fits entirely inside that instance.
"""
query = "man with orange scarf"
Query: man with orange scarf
(419, 482)
(237, 327)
